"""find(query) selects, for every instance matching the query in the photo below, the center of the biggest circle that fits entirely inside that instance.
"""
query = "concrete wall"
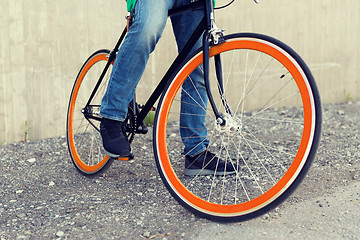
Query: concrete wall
(43, 44)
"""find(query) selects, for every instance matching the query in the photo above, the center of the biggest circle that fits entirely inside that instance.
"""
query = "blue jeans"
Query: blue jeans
(147, 28)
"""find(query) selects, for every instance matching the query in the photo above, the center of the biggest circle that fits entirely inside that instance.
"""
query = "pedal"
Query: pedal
(125, 158)
(142, 129)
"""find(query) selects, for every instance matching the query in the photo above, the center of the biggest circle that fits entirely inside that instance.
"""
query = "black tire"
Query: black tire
(277, 122)
(83, 138)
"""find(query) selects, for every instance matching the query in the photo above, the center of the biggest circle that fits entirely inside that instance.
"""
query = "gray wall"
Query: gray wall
(44, 43)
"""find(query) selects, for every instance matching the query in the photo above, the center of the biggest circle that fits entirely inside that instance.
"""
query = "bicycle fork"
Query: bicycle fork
(214, 36)
(218, 69)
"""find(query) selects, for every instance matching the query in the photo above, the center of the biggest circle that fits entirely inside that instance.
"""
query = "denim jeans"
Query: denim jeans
(148, 25)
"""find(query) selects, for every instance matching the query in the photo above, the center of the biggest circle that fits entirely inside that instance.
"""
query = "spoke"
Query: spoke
(184, 139)
(267, 148)
(81, 125)
(238, 148)
(278, 93)
(223, 182)
(245, 95)
(182, 127)
(91, 155)
(274, 104)
(196, 89)
(222, 97)
(104, 84)
(240, 156)
(226, 159)
(213, 178)
(208, 109)
(210, 142)
(82, 102)
(185, 153)
(247, 82)
(197, 104)
(100, 149)
(193, 114)
(260, 161)
(286, 120)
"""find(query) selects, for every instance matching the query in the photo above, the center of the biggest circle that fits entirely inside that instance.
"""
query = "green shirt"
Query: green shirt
(131, 5)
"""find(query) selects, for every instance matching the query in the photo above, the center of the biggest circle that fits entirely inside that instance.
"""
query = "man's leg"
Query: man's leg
(194, 102)
(148, 25)
(193, 96)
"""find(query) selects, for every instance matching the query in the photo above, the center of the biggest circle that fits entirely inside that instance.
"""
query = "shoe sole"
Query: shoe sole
(204, 172)
(118, 157)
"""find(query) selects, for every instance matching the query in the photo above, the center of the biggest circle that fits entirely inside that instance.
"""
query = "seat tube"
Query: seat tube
(111, 58)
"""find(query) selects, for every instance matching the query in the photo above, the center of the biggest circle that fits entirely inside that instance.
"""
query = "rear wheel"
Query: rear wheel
(272, 114)
(83, 136)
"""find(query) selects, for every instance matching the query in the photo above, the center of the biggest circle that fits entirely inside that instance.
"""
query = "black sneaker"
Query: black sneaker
(113, 134)
(206, 163)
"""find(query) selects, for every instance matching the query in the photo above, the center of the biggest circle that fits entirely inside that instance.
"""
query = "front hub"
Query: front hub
(228, 125)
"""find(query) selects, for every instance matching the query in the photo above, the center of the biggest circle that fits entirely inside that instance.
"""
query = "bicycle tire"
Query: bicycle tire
(270, 148)
(84, 140)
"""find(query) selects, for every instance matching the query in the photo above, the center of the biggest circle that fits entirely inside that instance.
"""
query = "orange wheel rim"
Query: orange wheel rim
(74, 153)
(291, 173)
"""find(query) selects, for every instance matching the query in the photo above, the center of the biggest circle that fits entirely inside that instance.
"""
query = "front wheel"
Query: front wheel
(272, 113)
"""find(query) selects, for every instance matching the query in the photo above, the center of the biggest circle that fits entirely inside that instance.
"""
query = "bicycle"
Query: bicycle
(264, 117)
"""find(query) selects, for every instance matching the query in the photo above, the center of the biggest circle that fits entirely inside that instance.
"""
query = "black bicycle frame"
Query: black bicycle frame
(203, 29)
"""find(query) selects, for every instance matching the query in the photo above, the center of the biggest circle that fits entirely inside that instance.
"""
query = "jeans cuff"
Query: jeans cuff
(193, 154)
(112, 118)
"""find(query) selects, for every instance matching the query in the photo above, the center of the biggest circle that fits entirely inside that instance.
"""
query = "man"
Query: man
(148, 24)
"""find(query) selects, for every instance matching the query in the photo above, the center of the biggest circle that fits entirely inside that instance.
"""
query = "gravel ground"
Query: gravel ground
(44, 197)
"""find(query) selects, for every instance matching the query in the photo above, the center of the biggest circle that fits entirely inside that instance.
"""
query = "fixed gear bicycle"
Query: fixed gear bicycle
(263, 116)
